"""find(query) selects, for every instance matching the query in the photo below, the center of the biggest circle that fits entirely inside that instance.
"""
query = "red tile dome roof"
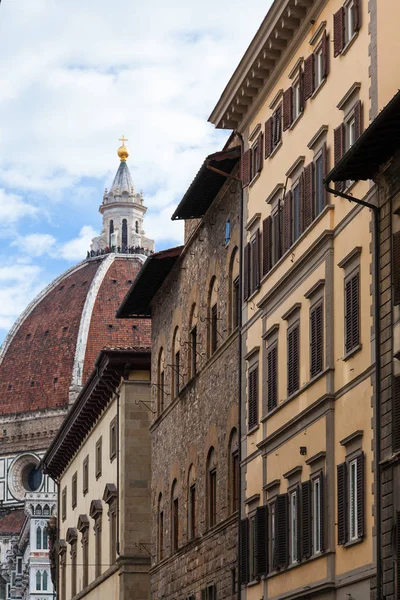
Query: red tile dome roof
(52, 348)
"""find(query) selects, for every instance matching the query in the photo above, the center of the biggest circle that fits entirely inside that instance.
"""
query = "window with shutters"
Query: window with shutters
(272, 546)
(317, 507)
(276, 237)
(161, 382)
(256, 157)
(396, 268)
(64, 504)
(254, 272)
(320, 171)
(294, 524)
(350, 499)
(353, 532)
(352, 312)
(98, 457)
(293, 343)
(272, 375)
(235, 304)
(276, 127)
(316, 339)
(297, 97)
(396, 413)
(281, 531)
(252, 547)
(296, 211)
(346, 23)
(252, 410)
(85, 476)
(74, 489)
(350, 19)
(113, 439)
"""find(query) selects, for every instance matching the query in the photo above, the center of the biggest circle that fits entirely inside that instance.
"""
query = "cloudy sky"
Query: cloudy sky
(74, 77)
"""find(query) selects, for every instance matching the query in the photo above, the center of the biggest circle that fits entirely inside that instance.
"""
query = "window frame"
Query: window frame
(113, 438)
(293, 326)
(64, 503)
(347, 280)
(352, 500)
(317, 524)
(99, 457)
(296, 218)
(294, 525)
(212, 493)
(74, 490)
(318, 66)
(85, 475)
(319, 159)
(349, 14)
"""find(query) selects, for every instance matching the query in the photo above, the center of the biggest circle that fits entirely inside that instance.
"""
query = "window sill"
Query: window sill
(349, 44)
(352, 352)
(253, 429)
(253, 583)
(252, 182)
(297, 119)
(317, 89)
(296, 565)
(275, 150)
(351, 543)
(253, 294)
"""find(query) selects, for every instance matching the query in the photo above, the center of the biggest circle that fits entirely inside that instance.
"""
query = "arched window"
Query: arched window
(44, 579)
(161, 382)
(192, 503)
(45, 539)
(111, 232)
(212, 319)
(46, 510)
(124, 233)
(38, 538)
(176, 363)
(137, 226)
(38, 581)
(38, 510)
(174, 517)
(233, 477)
(193, 352)
(234, 296)
(160, 528)
(211, 488)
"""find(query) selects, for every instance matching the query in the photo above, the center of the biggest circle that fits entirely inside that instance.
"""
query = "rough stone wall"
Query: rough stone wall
(202, 416)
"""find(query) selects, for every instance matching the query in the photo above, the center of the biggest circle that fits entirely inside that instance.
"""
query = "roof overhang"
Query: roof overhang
(284, 21)
(379, 142)
(207, 184)
(111, 366)
(137, 302)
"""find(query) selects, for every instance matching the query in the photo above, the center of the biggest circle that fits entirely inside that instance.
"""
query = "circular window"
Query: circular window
(24, 476)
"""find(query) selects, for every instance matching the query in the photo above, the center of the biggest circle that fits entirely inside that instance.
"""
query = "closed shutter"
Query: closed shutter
(301, 191)
(322, 511)
(306, 535)
(356, 15)
(325, 169)
(309, 77)
(261, 541)
(259, 150)
(287, 221)
(287, 108)
(282, 531)
(253, 398)
(352, 313)
(244, 551)
(277, 126)
(272, 386)
(398, 554)
(301, 90)
(266, 245)
(360, 495)
(339, 145)
(293, 360)
(338, 32)
(325, 55)
(358, 120)
(396, 414)
(246, 272)
(317, 348)
(256, 262)
(298, 521)
(308, 195)
(396, 268)
(246, 168)
(342, 503)
(268, 136)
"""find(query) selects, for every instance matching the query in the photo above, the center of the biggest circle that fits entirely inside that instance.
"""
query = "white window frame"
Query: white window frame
(294, 527)
(296, 100)
(316, 512)
(350, 132)
(318, 62)
(349, 21)
(353, 516)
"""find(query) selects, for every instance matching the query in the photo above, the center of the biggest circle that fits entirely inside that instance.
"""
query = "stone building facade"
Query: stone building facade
(193, 303)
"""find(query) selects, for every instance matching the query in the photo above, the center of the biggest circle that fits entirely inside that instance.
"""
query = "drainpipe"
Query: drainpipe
(377, 487)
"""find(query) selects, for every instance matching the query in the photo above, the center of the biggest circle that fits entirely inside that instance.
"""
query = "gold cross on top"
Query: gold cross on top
(123, 139)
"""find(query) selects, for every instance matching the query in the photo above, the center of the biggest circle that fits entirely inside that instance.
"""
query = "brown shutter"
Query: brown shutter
(306, 536)
(287, 222)
(308, 195)
(325, 169)
(339, 143)
(321, 510)
(301, 190)
(272, 385)
(253, 398)
(396, 414)
(246, 160)
(282, 531)
(261, 541)
(246, 272)
(256, 262)
(287, 108)
(266, 245)
(244, 551)
(260, 157)
(396, 268)
(308, 77)
(325, 55)
(356, 15)
(301, 90)
(317, 349)
(293, 360)
(277, 128)
(352, 312)
(338, 32)
(342, 503)
(358, 118)
(360, 495)
(268, 137)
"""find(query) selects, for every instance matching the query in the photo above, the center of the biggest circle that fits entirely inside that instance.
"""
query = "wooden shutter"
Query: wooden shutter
(309, 77)
(266, 245)
(287, 108)
(325, 169)
(358, 118)
(287, 222)
(256, 262)
(396, 268)
(261, 541)
(396, 414)
(342, 503)
(253, 398)
(306, 536)
(352, 312)
(246, 272)
(259, 150)
(308, 195)
(293, 360)
(277, 126)
(299, 524)
(339, 145)
(244, 551)
(268, 136)
(356, 15)
(322, 511)
(325, 55)
(246, 167)
(338, 32)
(360, 495)
(301, 191)
(301, 90)
(282, 531)
(272, 385)
(317, 348)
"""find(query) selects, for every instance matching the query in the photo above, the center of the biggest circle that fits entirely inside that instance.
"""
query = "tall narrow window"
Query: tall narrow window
(319, 184)
(38, 538)
(350, 499)
(113, 531)
(74, 489)
(160, 383)
(113, 438)
(64, 503)
(227, 231)
(352, 312)
(174, 517)
(45, 539)
(252, 413)
(177, 372)
(193, 350)
(296, 212)
(272, 371)
(353, 500)
(98, 457)
(252, 547)
(317, 524)
(83, 526)
(160, 529)
(137, 226)
(192, 511)
(110, 233)
(235, 304)
(212, 317)
(316, 341)
(234, 471)
(211, 487)
(124, 233)
(96, 512)
(293, 359)
(85, 476)
(214, 328)
(44, 581)
(38, 581)
(294, 524)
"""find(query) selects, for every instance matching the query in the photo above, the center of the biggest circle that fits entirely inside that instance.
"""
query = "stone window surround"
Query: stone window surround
(351, 266)
(316, 296)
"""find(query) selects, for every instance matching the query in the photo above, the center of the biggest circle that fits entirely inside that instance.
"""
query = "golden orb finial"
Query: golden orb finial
(123, 151)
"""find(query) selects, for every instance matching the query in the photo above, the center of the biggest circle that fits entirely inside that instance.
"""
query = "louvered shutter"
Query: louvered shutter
(325, 169)
(260, 157)
(309, 77)
(256, 262)
(325, 55)
(298, 521)
(287, 108)
(358, 117)
(282, 531)
(308, 195)
(261, 541)
(301, 190)
(287, 221)
(301, 90)
(396, 268)
(246, 272)
(322, 512)
(268, 137)
(306, 536)
(338, 32)
(277, 126)
(342, 503)
(266, 245)
(356, 15)
(398, 554)
(352, 314)
(293, 360)
(317, 348)
(339, 144)
(360, 495)
(272, 386)
(396, 414)
(246, 164)
(244, 551)
(253, 398)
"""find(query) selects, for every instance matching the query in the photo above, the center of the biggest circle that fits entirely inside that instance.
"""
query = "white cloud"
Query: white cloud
(76, 248)
(13, 208)
(35, 244)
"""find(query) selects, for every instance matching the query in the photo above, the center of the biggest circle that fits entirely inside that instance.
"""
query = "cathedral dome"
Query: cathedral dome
(52, 348)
